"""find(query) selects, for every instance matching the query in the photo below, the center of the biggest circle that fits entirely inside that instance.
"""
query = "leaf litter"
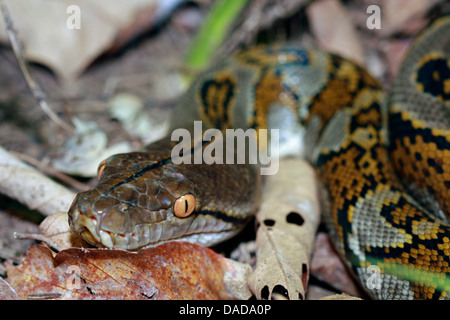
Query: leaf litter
(173, 270)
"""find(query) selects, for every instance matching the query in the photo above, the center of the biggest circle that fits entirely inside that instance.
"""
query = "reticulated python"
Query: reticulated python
(143, 198)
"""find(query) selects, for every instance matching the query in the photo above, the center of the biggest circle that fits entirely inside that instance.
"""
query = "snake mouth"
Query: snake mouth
(113, 241)
(107, 231)
(200, 230)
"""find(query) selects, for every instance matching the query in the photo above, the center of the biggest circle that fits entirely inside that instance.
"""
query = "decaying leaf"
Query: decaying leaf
(28, 186)
(327, 266)
(334, 30)
(70, 38)
(288, 219)
(174, 270)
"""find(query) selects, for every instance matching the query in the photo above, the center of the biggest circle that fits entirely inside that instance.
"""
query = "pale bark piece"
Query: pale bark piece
(334, 30)
(172, 270)
(28, 186)
(288, 219)
(51, 34)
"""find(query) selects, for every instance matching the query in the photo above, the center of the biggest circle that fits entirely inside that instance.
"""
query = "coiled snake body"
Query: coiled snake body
(143, 198)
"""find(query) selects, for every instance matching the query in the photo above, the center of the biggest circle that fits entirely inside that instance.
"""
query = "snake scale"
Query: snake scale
(384, 162)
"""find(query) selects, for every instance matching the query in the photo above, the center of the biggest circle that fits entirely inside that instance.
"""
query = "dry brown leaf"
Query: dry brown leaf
(42, 27)
(328, 267)
(334, 30)
(28, 186)
(174, 270)
(316, 292)
(395, 52)
(288, 220)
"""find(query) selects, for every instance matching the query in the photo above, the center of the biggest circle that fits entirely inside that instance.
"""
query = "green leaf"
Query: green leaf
(212, 33)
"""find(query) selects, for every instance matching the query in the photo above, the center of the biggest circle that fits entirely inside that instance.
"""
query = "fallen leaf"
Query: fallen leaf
(316, 292)
(334, 30)
(404, 15)
(30, 187)
(174, 270)
(395, 52)
(43, 28)
(288, 219)
(328, 267)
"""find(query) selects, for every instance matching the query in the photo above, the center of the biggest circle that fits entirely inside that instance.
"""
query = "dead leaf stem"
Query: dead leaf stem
(49, 170)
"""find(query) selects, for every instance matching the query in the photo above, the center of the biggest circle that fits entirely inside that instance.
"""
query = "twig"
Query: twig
(49, 170)
(34, 87)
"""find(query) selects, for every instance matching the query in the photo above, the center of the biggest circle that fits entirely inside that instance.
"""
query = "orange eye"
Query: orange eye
(101, 167)
(184, 205)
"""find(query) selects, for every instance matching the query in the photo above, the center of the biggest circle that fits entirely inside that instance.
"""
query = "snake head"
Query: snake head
(143, 199)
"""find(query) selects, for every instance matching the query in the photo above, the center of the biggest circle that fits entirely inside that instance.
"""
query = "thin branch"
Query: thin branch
(34, 87)
(50, 171)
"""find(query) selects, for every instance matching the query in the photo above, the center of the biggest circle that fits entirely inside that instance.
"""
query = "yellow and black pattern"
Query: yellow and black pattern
(367, 154)
(420, 119)
(433, 76)
(216, 96)
(373, 221)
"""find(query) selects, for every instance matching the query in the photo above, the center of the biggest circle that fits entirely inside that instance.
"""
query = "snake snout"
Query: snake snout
(108, 222)
(83, 220)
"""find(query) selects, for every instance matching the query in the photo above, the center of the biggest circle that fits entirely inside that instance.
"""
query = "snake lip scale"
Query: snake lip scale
(130, 241)
(382, 160)
(92, 231)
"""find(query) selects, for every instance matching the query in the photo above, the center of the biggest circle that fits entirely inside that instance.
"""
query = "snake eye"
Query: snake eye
(184, 205)
(101, 168)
